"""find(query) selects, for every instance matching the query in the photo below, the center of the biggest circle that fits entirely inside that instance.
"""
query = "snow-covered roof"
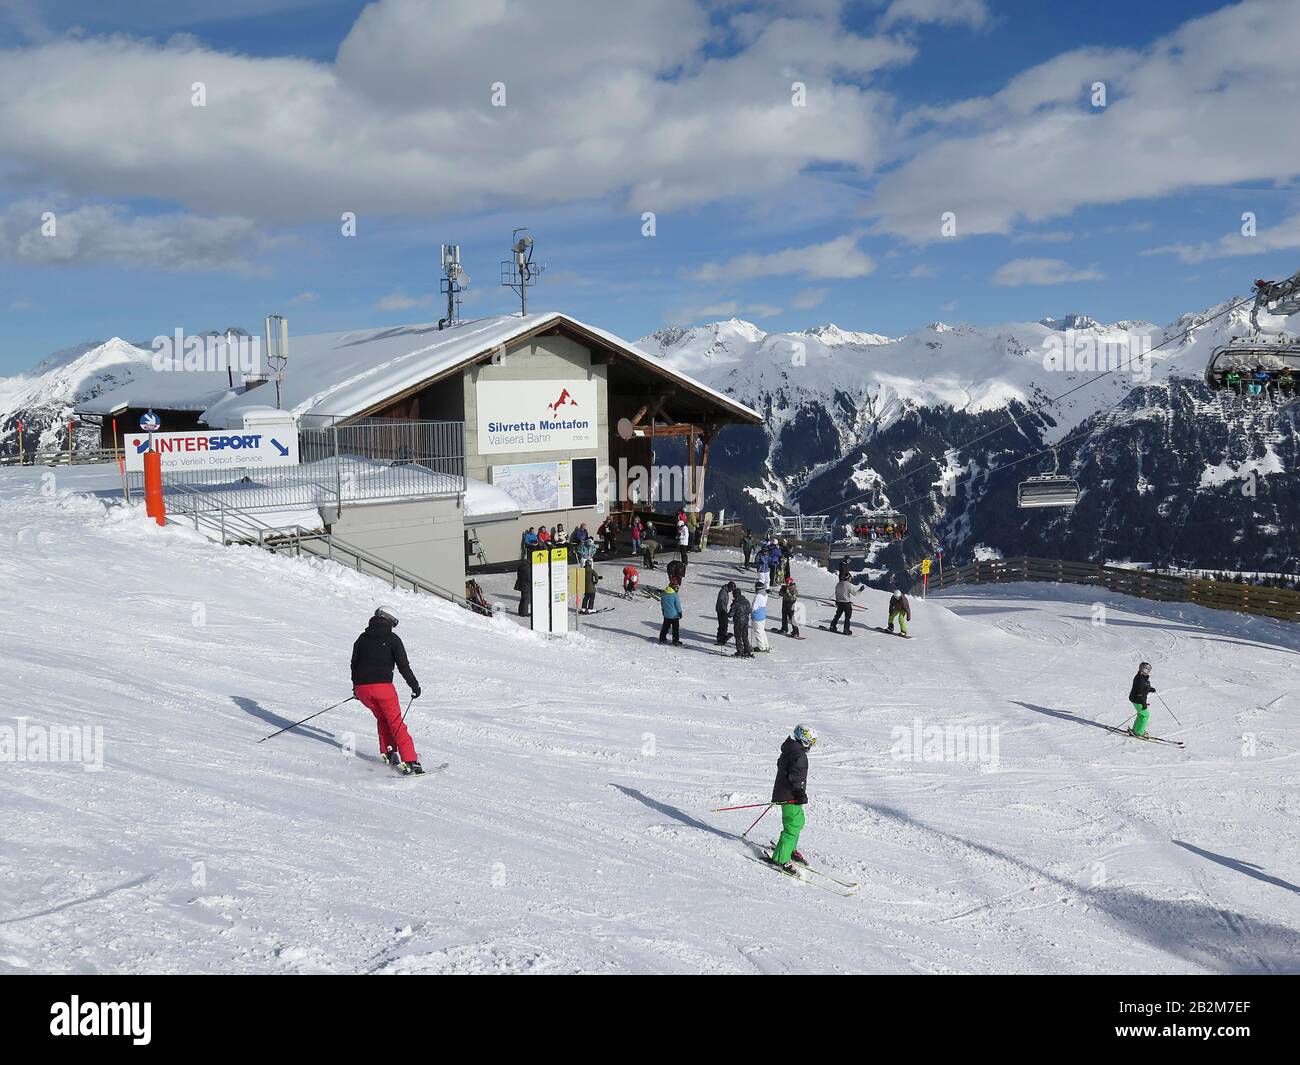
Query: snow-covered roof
(347, 374)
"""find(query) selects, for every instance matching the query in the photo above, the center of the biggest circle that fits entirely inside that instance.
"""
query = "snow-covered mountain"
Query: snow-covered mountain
(44, 397)
(936, 417)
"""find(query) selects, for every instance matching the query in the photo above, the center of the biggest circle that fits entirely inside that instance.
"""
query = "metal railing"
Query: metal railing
(368, 461)
(228, 526)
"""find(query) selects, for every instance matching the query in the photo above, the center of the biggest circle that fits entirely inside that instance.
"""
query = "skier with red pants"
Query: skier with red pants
(374, 655)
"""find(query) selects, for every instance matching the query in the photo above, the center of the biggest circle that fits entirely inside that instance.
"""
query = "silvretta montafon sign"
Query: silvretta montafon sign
(536, 416)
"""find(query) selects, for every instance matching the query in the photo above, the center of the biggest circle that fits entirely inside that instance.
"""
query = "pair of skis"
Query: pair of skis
(1149, 738)
(824, 880)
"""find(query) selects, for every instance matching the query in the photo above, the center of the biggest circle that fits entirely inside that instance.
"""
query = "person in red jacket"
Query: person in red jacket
(374, 655)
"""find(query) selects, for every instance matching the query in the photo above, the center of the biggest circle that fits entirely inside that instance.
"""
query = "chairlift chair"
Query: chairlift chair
(1261, 365)
(1048, 489)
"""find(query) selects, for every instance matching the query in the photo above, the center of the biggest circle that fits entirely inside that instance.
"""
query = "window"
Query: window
(584, 483)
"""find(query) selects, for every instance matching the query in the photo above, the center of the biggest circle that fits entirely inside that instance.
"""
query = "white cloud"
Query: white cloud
(400, 301)
(1042, 272)
(1183, 113)
(1281, 237)
(835, 259)
(107, 233)
(808, 298)
(304, 297)
(762, 310)
(625, 100)
(923, 272)
(944, 12)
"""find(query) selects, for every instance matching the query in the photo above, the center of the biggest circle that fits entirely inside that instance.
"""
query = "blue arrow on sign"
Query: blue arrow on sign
(141, 446)
(280, 447)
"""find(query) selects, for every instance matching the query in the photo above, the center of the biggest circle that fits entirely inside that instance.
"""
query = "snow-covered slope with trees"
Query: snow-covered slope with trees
(570, 830)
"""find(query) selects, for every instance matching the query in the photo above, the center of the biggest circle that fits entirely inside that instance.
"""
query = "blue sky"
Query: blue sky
(172, 216)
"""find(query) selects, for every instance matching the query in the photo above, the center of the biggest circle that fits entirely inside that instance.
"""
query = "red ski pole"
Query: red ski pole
(760, 817)
(751, 806)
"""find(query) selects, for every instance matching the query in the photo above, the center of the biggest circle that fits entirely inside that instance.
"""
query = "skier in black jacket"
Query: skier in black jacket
(791, 790)
(1138, 697)
(374, 655)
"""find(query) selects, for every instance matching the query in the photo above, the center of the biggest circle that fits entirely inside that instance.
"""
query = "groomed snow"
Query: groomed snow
(571, 829)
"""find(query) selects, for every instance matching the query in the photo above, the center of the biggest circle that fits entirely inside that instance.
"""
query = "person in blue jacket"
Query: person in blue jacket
(671, 604)
(774, 561)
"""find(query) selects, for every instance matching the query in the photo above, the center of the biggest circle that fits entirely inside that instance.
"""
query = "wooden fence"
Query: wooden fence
(1221, 595)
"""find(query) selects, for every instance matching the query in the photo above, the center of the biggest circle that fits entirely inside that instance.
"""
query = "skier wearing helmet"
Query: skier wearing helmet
(791, 791)
(374, 655)
(789, 597)
(1138, 697)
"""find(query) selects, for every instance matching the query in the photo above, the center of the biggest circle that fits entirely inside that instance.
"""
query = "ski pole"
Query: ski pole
(306, 719)
(760, 817)
(751, 806)
(1166, 706)
(408, 708)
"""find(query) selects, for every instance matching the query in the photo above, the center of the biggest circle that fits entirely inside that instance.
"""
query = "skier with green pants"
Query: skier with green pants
(791, 791)
(1138, 697)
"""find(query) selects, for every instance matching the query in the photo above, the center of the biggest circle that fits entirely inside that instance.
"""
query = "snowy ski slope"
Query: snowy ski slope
(570, 830)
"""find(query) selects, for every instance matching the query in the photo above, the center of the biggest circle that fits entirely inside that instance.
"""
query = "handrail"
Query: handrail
(273, 538)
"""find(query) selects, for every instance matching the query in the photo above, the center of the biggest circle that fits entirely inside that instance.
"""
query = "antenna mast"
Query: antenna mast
(520, 272)
(453, 283)
(276, 333)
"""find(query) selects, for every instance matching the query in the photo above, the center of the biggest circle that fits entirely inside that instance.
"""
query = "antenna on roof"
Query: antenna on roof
(519, 272)
(276, 345)
(453, 283)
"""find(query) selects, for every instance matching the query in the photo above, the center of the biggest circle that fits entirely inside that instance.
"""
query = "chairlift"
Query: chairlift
(876, 525)
(1048, 489)
(1261, 365)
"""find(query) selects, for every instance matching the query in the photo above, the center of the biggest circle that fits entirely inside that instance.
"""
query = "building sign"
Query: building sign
(536, 416)
(536, 486)
(214, 449)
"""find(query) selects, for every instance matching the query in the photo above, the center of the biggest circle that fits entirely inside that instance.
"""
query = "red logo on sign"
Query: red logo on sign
(564, 395)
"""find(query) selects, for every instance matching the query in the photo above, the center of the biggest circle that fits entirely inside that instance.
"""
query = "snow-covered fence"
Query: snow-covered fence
(368, 461)
(1163, 587)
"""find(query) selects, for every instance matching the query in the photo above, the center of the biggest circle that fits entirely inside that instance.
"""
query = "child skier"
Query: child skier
(672, 610)
(900, 610)
(375, 653)
(1138, 697)
(590, 578)
(791, 790)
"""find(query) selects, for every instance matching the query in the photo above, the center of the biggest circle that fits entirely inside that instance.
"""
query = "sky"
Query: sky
(879, 164)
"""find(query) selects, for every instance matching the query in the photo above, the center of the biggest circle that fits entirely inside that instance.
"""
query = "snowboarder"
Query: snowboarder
(672, 610)
(1138, 697)
(844, 593)
(789, 597)
(375, 653)
(631, 579)
(723, 609)
(740, 623)
(590, 578)
(758, 618)
(791, 791)
(899, 609)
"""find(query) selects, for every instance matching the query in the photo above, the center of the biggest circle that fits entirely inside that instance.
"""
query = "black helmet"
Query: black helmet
(386, 616)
